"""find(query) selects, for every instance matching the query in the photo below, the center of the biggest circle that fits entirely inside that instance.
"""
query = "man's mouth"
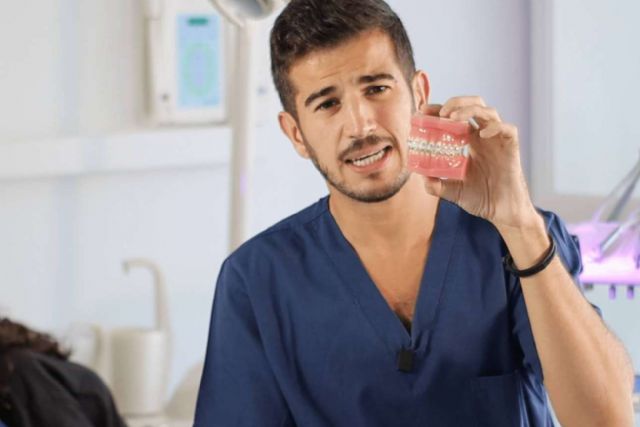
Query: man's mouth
(369, 158)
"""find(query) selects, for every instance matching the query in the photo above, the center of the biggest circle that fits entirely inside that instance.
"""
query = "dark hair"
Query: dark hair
(14, 335)
(305, 26)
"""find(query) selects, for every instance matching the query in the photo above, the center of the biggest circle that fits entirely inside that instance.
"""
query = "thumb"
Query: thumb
(431, 109)
(445, 189)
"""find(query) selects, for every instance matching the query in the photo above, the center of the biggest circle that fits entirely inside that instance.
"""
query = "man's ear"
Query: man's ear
(421, 89)
(290, 127)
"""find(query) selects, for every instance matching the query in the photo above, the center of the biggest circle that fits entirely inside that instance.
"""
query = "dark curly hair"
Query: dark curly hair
(15, 335)
(305, 26)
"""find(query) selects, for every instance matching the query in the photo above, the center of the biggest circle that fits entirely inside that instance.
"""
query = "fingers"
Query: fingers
(432, 109)
(433, 186)
(458, 102)
(482, 114)
(463, 108)
(445, 189)
(498, 129)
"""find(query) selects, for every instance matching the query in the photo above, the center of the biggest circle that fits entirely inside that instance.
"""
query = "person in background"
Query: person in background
(40, 387)
(400, 300)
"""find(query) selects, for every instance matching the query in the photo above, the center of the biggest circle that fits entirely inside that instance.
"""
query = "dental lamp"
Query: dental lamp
(619, 198)
(242, 14)
(610, 244)
(238, 11)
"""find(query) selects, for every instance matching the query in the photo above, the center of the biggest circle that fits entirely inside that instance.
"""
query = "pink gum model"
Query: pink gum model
(439, 147)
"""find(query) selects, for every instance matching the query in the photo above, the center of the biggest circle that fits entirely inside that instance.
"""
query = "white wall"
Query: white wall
(474, 48)
(596, 88)
(79, 69)
(585, 141)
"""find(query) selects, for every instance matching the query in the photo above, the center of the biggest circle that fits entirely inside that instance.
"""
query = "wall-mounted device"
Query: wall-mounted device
(186, 41)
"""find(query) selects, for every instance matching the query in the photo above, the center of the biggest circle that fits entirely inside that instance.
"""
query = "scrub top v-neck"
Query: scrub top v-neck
(301, 336)
(370, 300)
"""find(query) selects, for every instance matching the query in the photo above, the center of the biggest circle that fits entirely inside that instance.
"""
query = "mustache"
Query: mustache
(360, 143)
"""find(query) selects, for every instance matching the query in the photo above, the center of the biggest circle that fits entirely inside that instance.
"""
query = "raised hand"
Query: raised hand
(494, 187)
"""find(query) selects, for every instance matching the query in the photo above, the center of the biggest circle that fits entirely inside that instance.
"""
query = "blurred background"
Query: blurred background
(94, 172)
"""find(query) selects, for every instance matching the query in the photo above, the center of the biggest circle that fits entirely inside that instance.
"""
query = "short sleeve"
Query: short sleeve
(569, 253)
(238, 387)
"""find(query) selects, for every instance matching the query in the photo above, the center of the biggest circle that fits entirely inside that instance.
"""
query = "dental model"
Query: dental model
(439, 147)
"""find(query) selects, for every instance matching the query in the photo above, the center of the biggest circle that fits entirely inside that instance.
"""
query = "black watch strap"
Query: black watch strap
(548, 257)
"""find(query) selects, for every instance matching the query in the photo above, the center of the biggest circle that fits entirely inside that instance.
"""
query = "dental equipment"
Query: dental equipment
(186, 45)
(619, 197)
(242, 13)
(610, 247)
(141, 357)
(612, 241)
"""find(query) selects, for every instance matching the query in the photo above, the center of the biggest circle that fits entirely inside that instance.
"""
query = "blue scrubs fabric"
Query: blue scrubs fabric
(301, 336)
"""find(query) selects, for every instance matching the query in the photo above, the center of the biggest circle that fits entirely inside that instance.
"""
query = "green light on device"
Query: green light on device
(199, 21)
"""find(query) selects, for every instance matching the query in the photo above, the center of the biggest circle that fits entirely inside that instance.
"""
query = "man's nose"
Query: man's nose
(359, 119)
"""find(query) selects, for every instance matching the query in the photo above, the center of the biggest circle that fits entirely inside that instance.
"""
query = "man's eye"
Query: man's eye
(373, 90)
(327, 104)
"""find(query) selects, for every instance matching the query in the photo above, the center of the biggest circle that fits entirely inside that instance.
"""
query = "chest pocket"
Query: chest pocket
(498, 401)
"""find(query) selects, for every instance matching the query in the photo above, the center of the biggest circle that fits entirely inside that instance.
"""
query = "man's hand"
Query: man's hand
(573, 344)
(494, 187)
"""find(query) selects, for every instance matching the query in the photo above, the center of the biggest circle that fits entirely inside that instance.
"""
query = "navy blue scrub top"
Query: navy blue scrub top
(301, 336)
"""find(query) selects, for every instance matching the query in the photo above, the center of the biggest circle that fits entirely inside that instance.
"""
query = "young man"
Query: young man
(388, 303)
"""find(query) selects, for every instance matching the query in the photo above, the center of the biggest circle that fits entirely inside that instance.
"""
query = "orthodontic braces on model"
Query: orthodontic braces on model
(439, 147)
(444, 147)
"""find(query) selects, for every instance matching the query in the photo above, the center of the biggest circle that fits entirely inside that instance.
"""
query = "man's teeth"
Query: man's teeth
(369, 159)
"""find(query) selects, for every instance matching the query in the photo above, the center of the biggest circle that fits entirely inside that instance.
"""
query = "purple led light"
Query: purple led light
(620, 268)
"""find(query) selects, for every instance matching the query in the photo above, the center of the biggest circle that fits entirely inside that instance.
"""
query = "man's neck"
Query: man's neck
(400, 222)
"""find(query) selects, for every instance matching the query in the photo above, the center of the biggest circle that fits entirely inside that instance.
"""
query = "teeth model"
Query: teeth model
(439, 147)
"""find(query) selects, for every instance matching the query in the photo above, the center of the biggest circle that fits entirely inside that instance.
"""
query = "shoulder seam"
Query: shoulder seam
(275, 229)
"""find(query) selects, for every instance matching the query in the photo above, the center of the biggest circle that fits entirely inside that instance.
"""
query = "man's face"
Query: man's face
(354, 109)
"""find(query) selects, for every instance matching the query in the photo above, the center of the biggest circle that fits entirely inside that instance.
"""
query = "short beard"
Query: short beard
(370, 197)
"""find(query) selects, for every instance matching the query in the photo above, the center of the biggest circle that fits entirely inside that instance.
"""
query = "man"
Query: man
(388, 303)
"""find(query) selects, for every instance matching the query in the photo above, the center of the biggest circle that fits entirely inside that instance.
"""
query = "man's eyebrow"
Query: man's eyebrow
(319, 94)
(361, 80)
(375, 78)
